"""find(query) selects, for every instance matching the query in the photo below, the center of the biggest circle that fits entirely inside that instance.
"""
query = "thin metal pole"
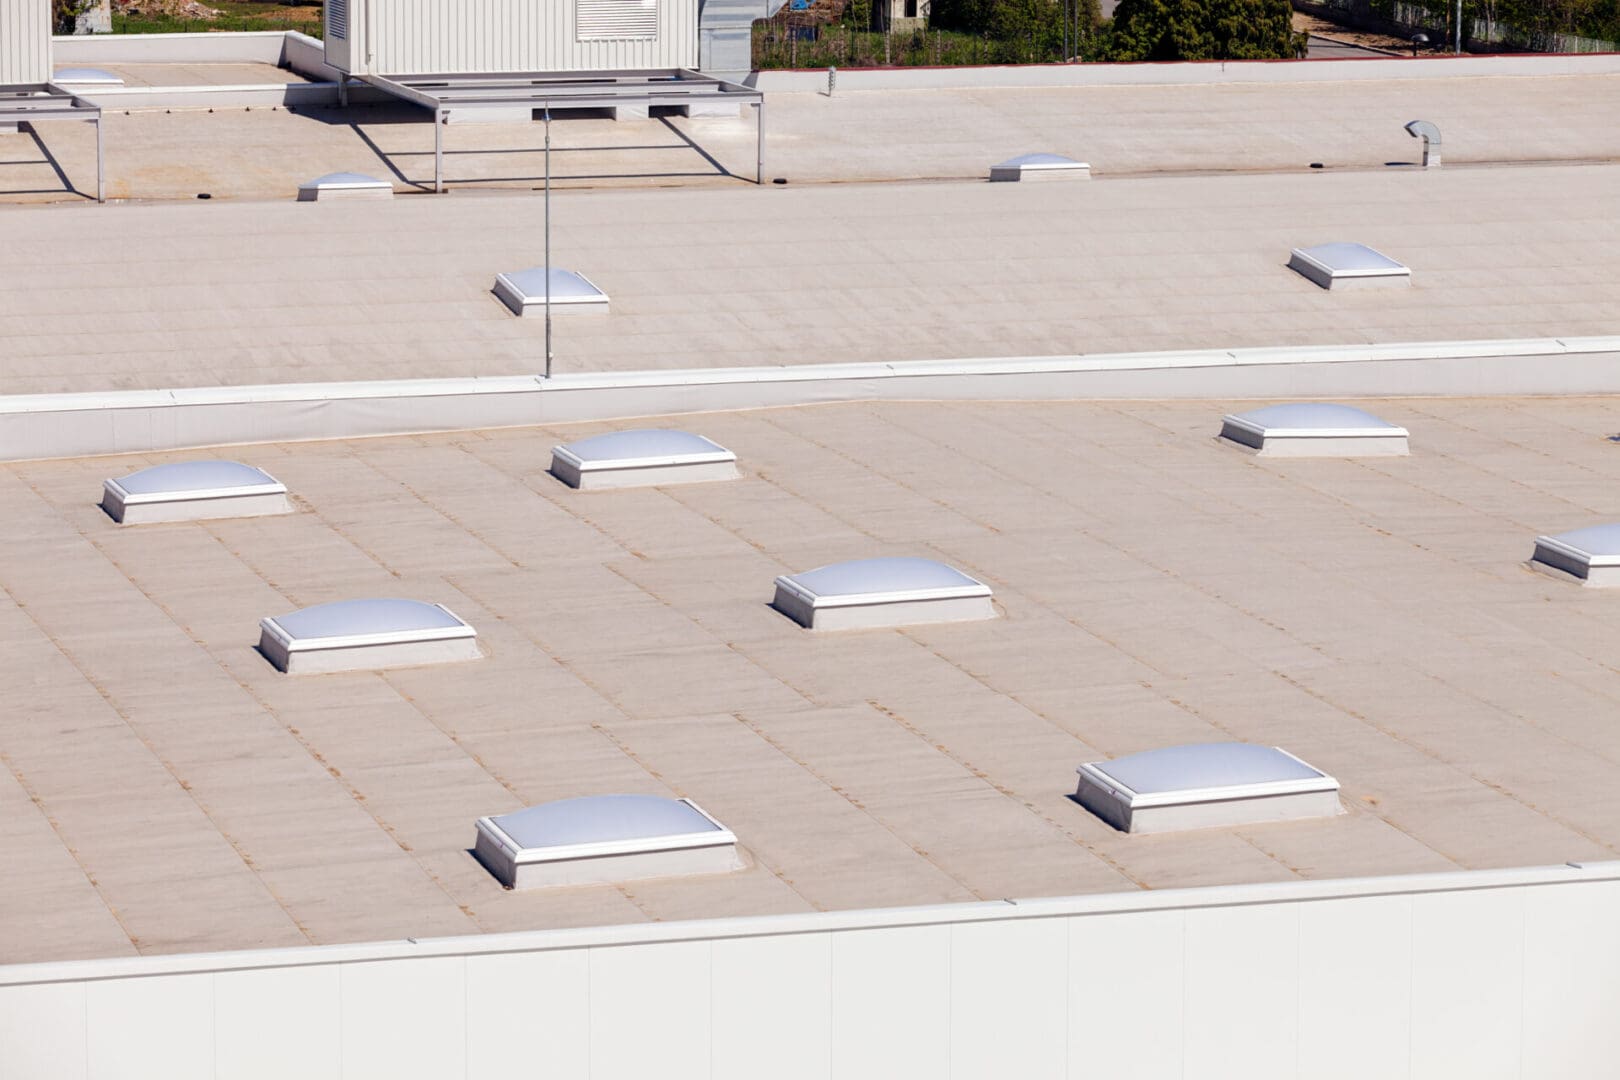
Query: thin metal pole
(438, 151)
(548, 241)
(759, 147)
(101, 166)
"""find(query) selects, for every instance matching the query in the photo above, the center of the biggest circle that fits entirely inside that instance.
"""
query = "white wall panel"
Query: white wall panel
(1355, 988)
(650, 1011)
(1241, 993)
(1571, 980)
(1467, 984)
(254, 1011)
(157, 1028)
(529, 1009)
(1123, 1024)
(891, 1003)
(443, 36)
(785, 1020)
(1015, 986)
(42, 1032)
(404, 1019)
(25, 41)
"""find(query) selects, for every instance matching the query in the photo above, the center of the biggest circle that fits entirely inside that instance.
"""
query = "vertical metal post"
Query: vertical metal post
(438, 151)
(101, 166)
(759, 147)
(548, 241)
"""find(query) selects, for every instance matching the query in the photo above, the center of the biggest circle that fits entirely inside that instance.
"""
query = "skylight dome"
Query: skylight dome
(640, 458)
(1591, 554)
(1205, 784)
(524, 291)
(604, 838)
(1315, 429)
(355, 635)
(869, 593)
(1039, 167)
(86, 77)
(344, 185)
(1343, 265)
(192, 490)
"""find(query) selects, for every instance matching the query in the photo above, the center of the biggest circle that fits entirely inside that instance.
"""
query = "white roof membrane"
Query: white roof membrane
(1342, 263)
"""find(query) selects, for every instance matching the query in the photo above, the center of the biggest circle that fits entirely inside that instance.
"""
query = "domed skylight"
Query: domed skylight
(1342, 265)
(189, 490)
(1185, 787)
(1591, 554)
(1039, 167)
(641, 457)
(524, 291)
(354, 635)
(603, 838)
(1315, 429)
(881, 592)
(344, 185)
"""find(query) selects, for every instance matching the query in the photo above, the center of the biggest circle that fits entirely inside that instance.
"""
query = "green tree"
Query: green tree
(1203, 30)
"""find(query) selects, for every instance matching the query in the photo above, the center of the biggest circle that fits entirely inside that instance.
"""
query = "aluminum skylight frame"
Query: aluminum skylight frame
(1255, 803)
(298, 654)
(1375, 437)
(1573, 554)
(969, 601)
(134, 507)
(517, 866)
(523, 303)
(1342, 264)
(702, 461)
(1031, 167)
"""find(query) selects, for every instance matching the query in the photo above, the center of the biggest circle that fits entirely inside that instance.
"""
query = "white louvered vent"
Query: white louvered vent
(337, 19)
(610, 20)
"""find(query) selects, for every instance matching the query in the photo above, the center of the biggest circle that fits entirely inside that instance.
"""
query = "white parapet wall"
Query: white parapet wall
(1482, 974)
(72, 425)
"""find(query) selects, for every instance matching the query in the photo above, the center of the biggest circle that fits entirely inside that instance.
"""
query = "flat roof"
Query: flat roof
(165, 790)
(800, 274)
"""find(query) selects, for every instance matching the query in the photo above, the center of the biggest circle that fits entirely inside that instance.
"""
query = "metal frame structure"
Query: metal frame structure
(28, 103)
(553, 91)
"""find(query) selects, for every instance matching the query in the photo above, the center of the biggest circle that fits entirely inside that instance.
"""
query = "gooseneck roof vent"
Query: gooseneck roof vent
(869, 593)
(1206, 784)
(1314, 429)
(524, 291)
(192, 490)
(1430, 134)
(357, 635)
(604, 838)
(640, 458)
(1039, 167)
(344, 185)
(1342, 265)
(1591, 554)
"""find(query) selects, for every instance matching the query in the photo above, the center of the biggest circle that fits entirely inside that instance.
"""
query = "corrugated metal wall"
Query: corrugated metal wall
(426, 36)
(25, 41)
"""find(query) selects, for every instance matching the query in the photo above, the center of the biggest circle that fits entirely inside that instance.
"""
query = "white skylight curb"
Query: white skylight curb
(344, 185)
(193, 490)
(705, 847)
(1277, 787)
(363, 635)
(640, 458)
(1342, 265)
(872, 593)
